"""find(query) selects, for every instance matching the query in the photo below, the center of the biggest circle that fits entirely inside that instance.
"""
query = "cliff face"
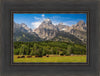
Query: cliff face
(46, 30)
(80, 31)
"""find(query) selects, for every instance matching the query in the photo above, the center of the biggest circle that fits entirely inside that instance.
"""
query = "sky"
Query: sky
(34, 20)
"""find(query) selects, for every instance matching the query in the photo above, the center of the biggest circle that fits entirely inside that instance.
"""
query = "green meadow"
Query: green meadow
(74, 58)
(49, 51)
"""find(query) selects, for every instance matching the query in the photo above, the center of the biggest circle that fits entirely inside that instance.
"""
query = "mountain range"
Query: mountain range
(48, 31)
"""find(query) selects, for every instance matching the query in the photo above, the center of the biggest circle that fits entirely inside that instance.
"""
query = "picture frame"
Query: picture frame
(6, 69)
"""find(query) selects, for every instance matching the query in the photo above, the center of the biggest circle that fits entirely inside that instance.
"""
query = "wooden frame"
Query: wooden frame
(92, 69)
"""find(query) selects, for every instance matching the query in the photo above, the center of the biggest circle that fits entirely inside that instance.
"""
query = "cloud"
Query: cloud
(55, 22)
(37, 18)
(37, 21)
(72, 22)
(42, 15)
(59, 17)
(69, 23)
(65, 20)
(36, 24)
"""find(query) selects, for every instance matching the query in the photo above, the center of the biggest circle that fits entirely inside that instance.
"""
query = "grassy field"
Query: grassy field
(74, 58)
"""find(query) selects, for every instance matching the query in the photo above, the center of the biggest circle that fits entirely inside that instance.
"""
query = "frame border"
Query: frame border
(6, 69)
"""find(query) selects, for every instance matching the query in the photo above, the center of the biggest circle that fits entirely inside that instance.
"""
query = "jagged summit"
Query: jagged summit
(48, 21)
(47, 24)
(23, 25)
(60, 23)
(81, 23)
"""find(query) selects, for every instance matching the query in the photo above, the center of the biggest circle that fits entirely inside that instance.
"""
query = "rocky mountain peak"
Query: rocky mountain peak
(80, 26)
(60, 23)
(46, 30)
(23, 25)
(81, 23)
(46, 24)
(63, 27)
(47, 21)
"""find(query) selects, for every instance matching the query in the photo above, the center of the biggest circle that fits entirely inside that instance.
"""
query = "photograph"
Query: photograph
(49, 37)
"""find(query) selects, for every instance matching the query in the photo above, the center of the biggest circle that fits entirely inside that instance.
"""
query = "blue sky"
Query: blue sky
(34, 20)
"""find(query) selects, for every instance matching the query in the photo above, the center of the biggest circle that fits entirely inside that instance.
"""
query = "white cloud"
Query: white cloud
(55, 22)
(70, 23)
(42, 15)
(73, 22)
(37, 18)
(36, 24)
(38, 21)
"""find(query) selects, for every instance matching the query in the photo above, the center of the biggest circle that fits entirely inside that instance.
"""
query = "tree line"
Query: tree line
(43, 48)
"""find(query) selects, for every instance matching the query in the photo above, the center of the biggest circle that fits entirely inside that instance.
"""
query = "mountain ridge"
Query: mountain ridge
(48, 31)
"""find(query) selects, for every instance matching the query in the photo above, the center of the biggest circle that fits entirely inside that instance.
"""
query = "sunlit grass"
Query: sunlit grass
(74, 58)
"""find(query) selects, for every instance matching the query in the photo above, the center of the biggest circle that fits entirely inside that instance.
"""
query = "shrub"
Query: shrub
(62, 54)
